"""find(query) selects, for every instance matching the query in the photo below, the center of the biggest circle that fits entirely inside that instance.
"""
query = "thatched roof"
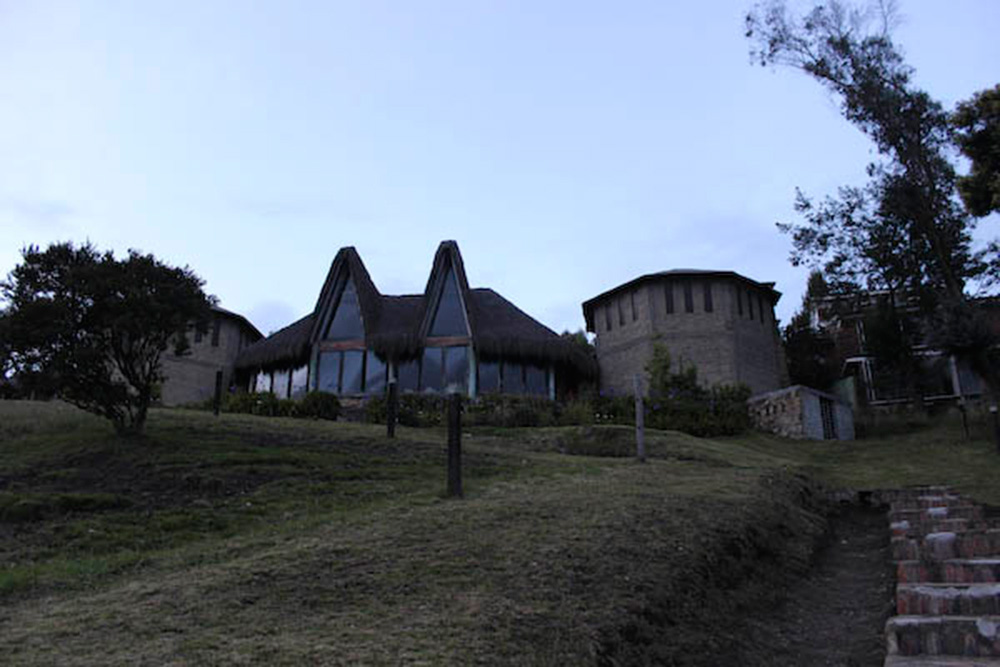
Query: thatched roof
(396, 326)
(288, 347)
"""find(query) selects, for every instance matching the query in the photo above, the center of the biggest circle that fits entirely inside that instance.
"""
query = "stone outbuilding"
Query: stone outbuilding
(801, 412)
(190, 378)
(720, 322)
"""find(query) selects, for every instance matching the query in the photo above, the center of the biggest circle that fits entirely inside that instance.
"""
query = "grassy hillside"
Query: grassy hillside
(245, 539)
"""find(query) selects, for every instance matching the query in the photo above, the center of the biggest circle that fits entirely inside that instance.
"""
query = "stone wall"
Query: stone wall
(191, 378)
(797, 412)
(724, 344)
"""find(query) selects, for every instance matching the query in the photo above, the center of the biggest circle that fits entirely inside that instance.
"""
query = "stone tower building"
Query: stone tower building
(719, 321)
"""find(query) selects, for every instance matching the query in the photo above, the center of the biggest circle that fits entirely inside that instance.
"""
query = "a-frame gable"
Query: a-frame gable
(446, 297)
(348, 303)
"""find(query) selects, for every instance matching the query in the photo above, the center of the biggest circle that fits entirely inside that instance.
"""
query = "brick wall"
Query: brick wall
(191, 377)
(725, 346)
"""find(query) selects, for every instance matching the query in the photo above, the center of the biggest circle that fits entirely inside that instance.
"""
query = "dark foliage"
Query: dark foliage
(906, 228)
(977, 133)
(94, 327)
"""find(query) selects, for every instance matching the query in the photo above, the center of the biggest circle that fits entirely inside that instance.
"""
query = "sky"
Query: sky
(568, 146)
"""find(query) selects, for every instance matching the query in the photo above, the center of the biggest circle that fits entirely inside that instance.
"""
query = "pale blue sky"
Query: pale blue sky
(566, 146)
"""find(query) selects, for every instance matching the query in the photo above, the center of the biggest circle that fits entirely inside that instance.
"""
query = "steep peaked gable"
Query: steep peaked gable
(347, 276)
(446, 297)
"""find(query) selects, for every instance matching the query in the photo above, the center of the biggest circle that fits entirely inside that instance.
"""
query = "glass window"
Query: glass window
(449, 320)
(513, 378)
(262, 382)
(456, 369)
(279, 386)
(346, 323)
(535, 381)
(299, 381)
(430, 370)
(668, 295)
(408, 375)
(375, 373)
(688, 297)
(350, 381)
(489, 377)
(329, 371)
(708, 297)
(216, 325)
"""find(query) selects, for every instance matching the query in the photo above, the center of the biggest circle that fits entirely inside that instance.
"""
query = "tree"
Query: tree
(906, 228)
(977, 134)
(810, 353)
(96, 327)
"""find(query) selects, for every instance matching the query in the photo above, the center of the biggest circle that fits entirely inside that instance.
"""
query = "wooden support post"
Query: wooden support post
(391, 408)
(996, 426)
(455, 446)
(640, 421)
(217, 401)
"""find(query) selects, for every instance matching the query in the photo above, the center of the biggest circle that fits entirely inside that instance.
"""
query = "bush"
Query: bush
(319, 405)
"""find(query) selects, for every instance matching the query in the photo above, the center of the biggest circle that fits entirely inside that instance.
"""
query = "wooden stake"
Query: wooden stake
(391, 408)
(217, 401)
(640, 420)
(455, 445)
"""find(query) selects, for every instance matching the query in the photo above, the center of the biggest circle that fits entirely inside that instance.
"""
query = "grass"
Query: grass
(243, 539)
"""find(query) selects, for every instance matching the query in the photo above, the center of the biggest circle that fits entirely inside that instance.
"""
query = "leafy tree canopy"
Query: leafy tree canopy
(906, 228)
(977, 133)
(96, 327)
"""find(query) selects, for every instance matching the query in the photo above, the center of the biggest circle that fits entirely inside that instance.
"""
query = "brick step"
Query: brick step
(948, 599)
(973, 636)
(964, 511)
(922, 528)
(938, 661)
(948, 545)
(956, 570)
(926, 501)
(915, 495)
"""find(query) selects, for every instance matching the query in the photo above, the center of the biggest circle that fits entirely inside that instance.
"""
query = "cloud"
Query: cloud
(41, 214)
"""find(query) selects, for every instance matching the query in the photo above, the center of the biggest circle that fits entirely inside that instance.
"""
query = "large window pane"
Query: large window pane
(346, 324)
(430, 370)
(350, 382)
(489, 377)
(535, 380)
(513, 382)
(408, 375)
(329, 371)
(456, 369)
(299, 377)
(449, 320)
(262, 382)
(374, 374)
(280, 384)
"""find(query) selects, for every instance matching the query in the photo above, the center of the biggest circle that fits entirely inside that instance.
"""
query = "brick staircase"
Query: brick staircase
(947, 559)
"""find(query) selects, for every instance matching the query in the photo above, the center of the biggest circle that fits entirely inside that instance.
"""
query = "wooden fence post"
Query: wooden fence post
(455, 445)
(640, 420)
(391, 409)
(996, 425)
(217, 401)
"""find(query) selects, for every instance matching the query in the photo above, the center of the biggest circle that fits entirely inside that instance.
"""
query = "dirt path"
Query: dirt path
(835, 615)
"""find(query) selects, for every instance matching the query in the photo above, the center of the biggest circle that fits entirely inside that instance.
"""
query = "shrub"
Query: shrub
(319, 405)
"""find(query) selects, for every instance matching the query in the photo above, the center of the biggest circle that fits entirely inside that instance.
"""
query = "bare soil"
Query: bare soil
(834, 614)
